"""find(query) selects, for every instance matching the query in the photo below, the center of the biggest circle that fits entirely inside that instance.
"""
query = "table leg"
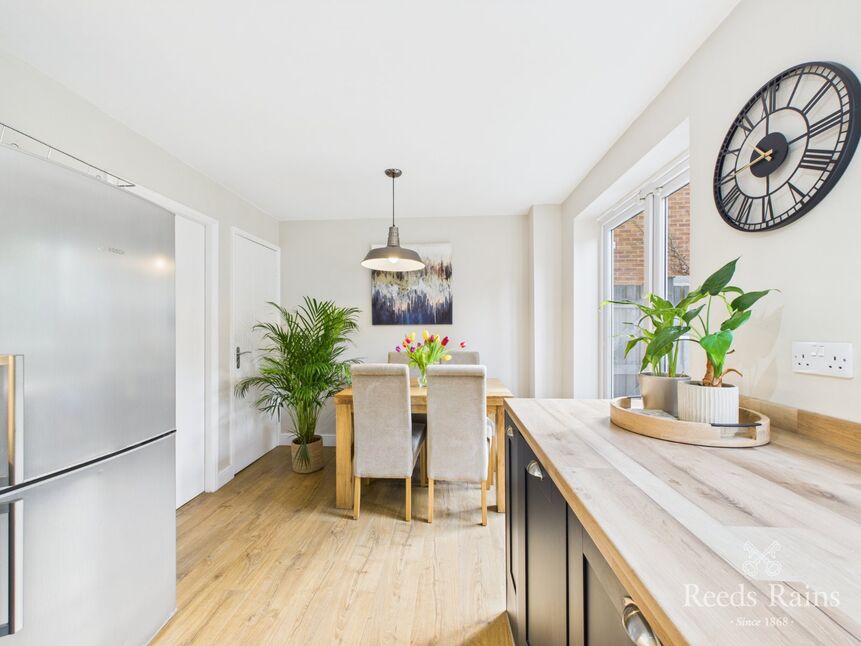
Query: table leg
(343, 456)
(500, 459)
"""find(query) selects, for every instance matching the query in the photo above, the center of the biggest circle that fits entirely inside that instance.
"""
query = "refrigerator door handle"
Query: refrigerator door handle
(13, 366)
(14, 610)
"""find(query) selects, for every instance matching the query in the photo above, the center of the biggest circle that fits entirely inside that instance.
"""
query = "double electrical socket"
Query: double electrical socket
(819, 358)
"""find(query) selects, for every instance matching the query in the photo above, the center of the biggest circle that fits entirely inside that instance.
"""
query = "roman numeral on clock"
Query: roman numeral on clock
(816, 97)
(797, 193)
(744, 209)
(767, 208)
(731, 196)
(816, 159)
(826, 123)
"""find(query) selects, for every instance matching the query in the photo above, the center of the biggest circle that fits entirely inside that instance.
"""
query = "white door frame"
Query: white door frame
(236, 232)
(650, 200)
(212, 396)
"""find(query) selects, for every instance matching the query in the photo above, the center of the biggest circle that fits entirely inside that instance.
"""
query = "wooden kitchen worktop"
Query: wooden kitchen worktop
(675, 522)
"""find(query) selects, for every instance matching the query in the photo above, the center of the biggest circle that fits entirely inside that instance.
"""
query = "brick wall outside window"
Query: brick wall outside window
(629, 252)
(628, 242)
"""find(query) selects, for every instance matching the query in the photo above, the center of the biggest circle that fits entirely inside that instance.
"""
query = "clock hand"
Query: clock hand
(766, 154)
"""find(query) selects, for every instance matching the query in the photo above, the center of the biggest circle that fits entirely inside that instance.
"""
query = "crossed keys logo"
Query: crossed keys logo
(766, 558)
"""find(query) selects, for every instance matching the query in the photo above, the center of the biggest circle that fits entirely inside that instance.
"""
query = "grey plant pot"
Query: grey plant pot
(661, 392)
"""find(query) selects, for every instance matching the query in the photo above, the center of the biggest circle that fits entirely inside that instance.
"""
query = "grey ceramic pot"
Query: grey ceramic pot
(660, 392)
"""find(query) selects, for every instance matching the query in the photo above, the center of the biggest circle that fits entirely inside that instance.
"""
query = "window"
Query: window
(646, 248)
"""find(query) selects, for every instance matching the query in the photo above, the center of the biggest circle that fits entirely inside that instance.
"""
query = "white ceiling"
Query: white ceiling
(488, 106)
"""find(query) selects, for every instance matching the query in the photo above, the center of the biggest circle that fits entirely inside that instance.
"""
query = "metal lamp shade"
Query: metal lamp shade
(393, 257)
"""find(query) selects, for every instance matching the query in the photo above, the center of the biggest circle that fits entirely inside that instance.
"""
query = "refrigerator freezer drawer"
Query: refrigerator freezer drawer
(99, 553)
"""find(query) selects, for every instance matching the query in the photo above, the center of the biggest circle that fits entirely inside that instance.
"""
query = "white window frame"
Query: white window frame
(649, 199)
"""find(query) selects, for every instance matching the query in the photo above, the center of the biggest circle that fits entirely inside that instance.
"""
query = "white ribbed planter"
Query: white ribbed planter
(698, 403)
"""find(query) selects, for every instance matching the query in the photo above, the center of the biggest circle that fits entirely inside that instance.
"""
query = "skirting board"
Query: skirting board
(286, 438)
(225, 475)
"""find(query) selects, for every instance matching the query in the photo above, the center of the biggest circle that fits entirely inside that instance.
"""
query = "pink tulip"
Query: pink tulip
(444, 341)
(463, 344)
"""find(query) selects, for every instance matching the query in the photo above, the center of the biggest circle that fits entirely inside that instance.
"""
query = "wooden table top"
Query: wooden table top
(495, 390)
(677, 523)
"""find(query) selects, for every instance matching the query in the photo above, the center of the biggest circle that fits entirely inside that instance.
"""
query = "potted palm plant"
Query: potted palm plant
(711, 400)
(660, 330)
(301, 367)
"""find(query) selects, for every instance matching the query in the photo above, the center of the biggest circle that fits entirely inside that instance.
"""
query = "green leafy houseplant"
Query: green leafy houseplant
(302, 366)
(660, 328)
(716, 343)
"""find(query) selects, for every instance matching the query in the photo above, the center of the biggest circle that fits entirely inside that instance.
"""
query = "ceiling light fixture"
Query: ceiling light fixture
(393, 257)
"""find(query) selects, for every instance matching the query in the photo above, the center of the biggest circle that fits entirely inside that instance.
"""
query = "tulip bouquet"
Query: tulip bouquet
(431, 349)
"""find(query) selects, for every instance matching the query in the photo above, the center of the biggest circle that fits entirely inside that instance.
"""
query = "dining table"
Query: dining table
(497, 393)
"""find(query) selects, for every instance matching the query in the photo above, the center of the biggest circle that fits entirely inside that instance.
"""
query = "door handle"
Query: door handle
(509, 431)
(534, 470)
(15, 535)
(638, 629)
(239, 355)
(12, 368)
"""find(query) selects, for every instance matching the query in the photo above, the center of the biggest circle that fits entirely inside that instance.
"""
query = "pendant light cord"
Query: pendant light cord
(393, 201)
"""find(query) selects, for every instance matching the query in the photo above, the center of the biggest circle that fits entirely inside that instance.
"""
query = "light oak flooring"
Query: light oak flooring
(269, 560)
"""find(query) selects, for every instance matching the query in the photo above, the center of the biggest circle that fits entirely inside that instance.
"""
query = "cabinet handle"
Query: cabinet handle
(14, 511)
(636, 626)
(13, 367)
(509, 431)
(534, 470)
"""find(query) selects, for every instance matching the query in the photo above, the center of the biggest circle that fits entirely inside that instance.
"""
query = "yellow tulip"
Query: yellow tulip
(426, 334)
(413, 336)
(447, 357)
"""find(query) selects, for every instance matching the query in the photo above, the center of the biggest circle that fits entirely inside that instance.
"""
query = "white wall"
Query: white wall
(46, 110)
(814, 261)
(490, 288)
(545, 258)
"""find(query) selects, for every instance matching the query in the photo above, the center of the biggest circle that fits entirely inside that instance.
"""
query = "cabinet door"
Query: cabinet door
(515, 528)
(605, 601)
(546, 560)
(576, 582)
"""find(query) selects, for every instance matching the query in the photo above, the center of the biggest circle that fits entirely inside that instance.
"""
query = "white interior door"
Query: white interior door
(255, 284)
(190, 358)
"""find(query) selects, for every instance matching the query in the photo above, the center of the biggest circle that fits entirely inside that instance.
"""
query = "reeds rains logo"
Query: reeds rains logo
(765, 560)
(764, 566)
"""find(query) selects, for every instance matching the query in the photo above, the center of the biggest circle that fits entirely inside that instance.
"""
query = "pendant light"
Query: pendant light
(393, 257)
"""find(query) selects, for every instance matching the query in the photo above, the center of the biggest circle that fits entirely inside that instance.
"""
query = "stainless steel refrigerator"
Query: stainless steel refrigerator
(87, 409)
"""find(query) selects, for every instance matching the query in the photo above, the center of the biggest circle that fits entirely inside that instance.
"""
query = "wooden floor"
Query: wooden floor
(269, 560)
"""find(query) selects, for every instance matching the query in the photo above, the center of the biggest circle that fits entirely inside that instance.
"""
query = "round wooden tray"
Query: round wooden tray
(753, 429)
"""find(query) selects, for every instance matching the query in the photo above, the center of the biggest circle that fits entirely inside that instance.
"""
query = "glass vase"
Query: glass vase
(423, 377)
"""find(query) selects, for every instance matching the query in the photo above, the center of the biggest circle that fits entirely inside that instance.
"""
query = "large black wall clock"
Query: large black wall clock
(788, 146)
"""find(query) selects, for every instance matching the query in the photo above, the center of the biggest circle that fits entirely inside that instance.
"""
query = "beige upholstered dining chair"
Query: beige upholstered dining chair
(386, 442)
(404, 359)
(465, 358)
(459, 435)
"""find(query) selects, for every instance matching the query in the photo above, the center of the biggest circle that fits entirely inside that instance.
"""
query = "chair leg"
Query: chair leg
(357, 496)
(423, 465)
(484, 503)
(409, 488)
(430, 500)
(494, 449)
(490, 462)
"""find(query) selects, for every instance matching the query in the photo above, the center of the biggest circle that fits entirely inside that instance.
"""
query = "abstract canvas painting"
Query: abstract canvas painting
(415, 297)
